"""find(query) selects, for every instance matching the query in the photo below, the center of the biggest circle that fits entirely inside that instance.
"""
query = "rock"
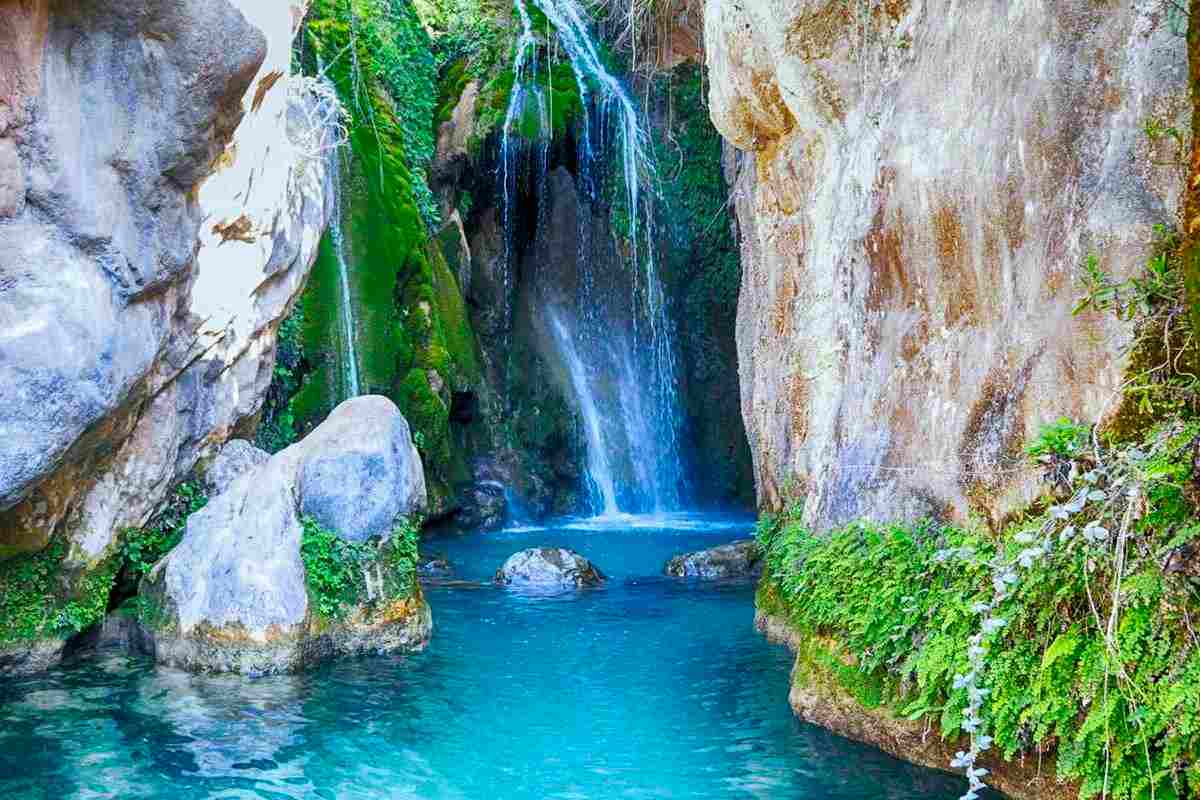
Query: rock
(911, 236)
(483, 506)
(235, 459)
(143, 340)
(434, 566)
(741, 559)
(364, 445)
(549, 567)
(232, 597)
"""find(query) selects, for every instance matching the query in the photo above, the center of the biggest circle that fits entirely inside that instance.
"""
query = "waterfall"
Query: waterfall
(347, 356)
(642, 413)
(600, 472)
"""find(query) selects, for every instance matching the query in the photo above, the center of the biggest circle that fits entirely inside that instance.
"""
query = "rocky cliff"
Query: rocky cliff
(162, 194)
(918, 186)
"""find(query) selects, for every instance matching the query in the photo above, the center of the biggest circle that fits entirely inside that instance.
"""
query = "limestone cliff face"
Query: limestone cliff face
(157, 218)
(919, 185)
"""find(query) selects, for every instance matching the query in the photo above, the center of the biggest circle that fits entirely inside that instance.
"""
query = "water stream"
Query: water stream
(648, 687)
(347, 354)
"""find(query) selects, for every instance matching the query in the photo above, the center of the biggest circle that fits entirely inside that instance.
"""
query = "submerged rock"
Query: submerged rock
(549, 567)
(233, 596)
(734, 560)
(434, 566)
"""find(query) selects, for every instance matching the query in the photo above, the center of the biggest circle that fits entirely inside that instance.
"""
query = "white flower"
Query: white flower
(1025, 537)
(981, 608)
(1067, 533)
(1095, 533)
(1029, 555)
(993, 624)
(1096, 494)
(983, 743)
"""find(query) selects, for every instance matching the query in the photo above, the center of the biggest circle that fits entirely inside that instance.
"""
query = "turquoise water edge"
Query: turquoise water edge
(648, 687)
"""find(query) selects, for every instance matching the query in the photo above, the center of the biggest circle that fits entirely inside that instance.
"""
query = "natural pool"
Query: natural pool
(647, 688)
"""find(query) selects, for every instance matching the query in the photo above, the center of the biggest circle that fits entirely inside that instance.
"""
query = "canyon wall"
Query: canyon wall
(162, 194)
(918, 186)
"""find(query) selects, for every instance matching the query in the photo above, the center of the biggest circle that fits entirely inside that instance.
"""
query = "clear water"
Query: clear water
(646, 688)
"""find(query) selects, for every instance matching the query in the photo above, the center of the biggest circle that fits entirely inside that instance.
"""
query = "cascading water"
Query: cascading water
(600, 472)
(618, 351)
(347, 353)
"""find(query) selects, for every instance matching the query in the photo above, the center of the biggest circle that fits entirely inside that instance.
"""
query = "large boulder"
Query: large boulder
(248, 588)
(740, 559)
(160, 211)
(550, 568)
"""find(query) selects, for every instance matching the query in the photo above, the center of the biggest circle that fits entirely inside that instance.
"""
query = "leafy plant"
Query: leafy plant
(142, 548)
(40, 598)
(1072, 631)
(335, 570)
(332, 568)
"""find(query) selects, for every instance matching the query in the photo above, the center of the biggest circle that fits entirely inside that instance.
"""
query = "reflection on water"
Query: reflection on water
(646, 688)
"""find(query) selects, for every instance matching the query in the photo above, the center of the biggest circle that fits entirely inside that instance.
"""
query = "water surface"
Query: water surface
(647, 688)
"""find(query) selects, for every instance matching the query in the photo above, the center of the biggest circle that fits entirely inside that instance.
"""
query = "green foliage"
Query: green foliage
(409, 313)
(142, 548)
(1060, 439)
(335, 569)
(1098, 658)
(41, 599)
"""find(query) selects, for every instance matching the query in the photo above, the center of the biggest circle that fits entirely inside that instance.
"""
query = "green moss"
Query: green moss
(427, 414)
(701, 265)
(409, 315)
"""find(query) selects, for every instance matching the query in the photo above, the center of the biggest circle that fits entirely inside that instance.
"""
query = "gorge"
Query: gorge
(456, 398)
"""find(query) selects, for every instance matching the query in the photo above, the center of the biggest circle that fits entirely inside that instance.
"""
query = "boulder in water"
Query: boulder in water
(261, 584)
(549, 567)
(738, 559)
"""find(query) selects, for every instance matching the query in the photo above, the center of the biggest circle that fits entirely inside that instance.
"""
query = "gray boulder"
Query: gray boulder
(352, 455)
(235, 459)
(549, 567)
(740, 559)
(233, 596)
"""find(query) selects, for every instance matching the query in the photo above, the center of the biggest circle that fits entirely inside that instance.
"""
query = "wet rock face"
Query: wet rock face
(740, 559)
(549, 568)
(157, 222)
(918, 186)
(232, 596)
(483, 506)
